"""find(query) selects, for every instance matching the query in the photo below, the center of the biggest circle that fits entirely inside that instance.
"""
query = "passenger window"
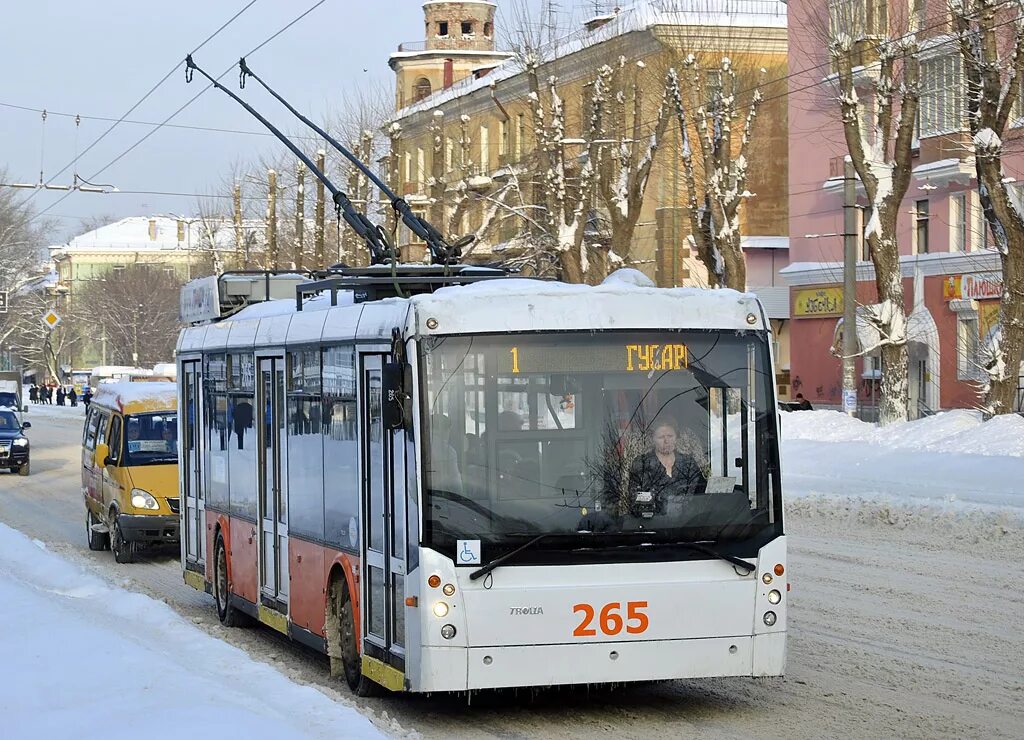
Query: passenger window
(88, 422)
(90, 431)
(115, 440)
(101, 436)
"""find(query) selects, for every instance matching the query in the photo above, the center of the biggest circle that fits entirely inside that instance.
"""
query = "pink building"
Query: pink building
(951, 275)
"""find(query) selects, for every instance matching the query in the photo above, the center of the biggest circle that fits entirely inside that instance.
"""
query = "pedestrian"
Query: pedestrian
(60, 395)
(33, 393)
(73, 396)
(49, 395)
(87, 398)
(802, 403)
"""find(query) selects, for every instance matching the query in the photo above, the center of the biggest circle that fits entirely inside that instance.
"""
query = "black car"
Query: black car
(14, 448)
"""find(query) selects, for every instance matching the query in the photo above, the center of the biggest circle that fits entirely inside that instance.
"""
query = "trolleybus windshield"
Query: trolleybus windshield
(668, 434)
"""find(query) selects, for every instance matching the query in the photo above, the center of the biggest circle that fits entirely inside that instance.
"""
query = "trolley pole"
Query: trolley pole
(849, 288)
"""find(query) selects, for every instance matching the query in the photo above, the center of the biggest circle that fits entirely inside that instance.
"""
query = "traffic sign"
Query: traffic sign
(51, 319)
(3, 301)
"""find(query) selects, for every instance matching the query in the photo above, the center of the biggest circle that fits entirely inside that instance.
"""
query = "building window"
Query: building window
(980, 236)
(421, 89)
(488, 29)
(958, 218)
(442, 28)
(857, 19)
(520, 134)
(485, 150)
(467, 28)
(449, 151)
(421, 166)
(942, 95)
(921, 227)
(502, 138)
(408, 167)
(713, 90)
(968, 348)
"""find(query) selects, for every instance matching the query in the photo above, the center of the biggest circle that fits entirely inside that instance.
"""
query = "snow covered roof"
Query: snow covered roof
(625, 300)
(156, 233)
(134, 398)
(640, 16)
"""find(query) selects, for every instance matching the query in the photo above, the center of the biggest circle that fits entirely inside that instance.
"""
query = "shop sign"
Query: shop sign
(818, 302)
(979, 286)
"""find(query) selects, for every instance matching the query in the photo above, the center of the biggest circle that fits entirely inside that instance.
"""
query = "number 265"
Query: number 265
(610, 619)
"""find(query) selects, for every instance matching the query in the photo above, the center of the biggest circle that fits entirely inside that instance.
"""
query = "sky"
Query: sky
(98, 58)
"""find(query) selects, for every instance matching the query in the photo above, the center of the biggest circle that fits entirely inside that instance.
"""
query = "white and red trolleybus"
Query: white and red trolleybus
(447, 479)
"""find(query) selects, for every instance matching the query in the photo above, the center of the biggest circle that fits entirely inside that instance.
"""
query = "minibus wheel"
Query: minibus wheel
(96, 540)
(229, 616)
(124, 551)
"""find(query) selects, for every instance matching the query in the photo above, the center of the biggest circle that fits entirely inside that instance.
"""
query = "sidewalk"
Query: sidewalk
(84, 659)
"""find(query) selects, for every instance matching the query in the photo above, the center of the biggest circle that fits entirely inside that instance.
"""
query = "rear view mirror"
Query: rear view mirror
(102, 455)
(393, 387)
(561, 384)
(27, 425)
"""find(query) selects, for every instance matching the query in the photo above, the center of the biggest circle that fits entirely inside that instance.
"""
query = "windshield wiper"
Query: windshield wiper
(488, 567)
(732, 559)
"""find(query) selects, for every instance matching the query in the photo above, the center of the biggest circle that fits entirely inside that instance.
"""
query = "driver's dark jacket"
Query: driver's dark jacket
(648, 474)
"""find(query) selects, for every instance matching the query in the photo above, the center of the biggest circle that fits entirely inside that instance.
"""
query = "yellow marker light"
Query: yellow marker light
(779, 569)
(434, 581)
(449, 589)
(440, 609)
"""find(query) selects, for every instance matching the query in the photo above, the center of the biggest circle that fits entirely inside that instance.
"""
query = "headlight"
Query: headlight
(21, 442)
(774, 597)
(769, 618)
(143, 499)
(448, 631)
(440, 609)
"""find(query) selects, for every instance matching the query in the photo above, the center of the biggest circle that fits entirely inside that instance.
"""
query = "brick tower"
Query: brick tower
(459, 40)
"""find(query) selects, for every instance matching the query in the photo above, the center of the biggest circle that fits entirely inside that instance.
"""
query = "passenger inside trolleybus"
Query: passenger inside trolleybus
(581, 466)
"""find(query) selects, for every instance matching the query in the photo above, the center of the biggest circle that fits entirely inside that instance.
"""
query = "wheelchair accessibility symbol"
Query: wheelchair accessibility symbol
(467, 552)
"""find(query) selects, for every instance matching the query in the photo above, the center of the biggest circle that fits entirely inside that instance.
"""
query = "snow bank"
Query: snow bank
(952, 460)
(84, 659)
(959, 431)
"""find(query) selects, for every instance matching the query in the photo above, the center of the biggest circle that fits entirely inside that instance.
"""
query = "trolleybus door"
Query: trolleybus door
(193, 514)
(384, 583)
(269, 418)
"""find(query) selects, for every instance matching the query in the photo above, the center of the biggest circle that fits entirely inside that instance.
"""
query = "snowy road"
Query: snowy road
(902, 623)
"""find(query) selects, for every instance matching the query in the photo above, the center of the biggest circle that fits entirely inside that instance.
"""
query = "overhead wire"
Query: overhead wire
(189, 102)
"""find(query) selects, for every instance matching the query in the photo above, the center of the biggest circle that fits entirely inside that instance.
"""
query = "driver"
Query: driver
(664, 470)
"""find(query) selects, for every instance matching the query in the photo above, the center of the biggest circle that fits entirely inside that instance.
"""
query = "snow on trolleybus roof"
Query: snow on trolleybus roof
(135, 398)
(627, 299)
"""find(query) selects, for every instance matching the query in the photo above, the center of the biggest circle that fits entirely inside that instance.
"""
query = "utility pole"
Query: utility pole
(241, 257)
(272, 261)
(300, 215)
(850, 238)
(318, 227)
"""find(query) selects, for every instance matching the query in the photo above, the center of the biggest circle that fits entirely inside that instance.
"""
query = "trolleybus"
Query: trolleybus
(448, 479)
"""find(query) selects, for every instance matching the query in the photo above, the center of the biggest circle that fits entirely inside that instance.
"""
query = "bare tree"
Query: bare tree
(139, 312)
(716, 185)
(992, 49)
(626, 170)
(880, 146)
(568, 185)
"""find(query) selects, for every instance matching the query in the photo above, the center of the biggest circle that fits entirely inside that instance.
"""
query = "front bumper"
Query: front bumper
(13, 456)
(460, 669)
(153, 528)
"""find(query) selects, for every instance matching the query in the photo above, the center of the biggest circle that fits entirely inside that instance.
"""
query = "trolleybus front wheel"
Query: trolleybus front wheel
(342, 623)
